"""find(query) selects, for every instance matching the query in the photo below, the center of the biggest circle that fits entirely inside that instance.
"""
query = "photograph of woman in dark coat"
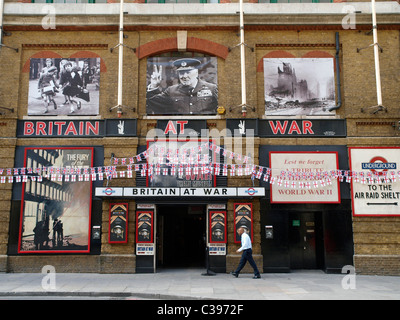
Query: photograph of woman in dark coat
(71, 83)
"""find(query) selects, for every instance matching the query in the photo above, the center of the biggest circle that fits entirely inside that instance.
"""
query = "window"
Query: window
(182, 1)
(69, 1)
(295, 1)
(181, 54)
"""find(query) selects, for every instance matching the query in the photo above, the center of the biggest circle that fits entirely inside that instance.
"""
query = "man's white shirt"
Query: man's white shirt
(246, 242)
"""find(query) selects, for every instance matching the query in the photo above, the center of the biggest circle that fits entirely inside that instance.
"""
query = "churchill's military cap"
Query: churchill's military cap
(186, 64)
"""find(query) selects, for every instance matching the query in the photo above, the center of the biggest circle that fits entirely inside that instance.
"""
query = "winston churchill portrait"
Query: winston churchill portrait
(179, 86)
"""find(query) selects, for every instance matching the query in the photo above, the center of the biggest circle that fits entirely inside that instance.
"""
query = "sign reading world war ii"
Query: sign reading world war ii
(301, 163)
(55, 215)
(64, 86)
(376, 188)
(182, 85)
(299, 86)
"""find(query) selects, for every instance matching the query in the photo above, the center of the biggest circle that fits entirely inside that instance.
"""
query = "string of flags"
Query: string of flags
(189, 162)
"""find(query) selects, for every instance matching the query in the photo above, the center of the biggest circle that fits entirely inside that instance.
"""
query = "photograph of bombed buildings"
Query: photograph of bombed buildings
(299, 86)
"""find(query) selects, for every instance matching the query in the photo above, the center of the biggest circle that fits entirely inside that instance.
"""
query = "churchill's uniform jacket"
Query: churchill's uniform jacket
(180, 99)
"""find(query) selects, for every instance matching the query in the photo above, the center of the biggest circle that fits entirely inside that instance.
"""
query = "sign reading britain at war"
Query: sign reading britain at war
(377, 191)
(65, 128)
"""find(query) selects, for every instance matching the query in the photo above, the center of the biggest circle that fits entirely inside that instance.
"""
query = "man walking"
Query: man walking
(247, 254)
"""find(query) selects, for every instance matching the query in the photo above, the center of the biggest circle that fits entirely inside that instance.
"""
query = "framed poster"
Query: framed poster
(144, 226)
(177, 85)
(168, 163)
(217, 226)
(118, 223)
(243, 217)
(56, 206)
(375, 191)
(315, 162)
(299, 86)
(59, 86)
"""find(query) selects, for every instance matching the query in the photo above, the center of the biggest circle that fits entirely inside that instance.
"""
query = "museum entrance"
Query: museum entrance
(305, 240)
(181, 236)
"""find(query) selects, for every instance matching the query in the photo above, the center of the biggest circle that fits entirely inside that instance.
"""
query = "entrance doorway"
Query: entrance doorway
(305, 240)
(181, 236)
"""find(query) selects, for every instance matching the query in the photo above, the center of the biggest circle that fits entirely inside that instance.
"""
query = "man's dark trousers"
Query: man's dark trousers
(247, 255)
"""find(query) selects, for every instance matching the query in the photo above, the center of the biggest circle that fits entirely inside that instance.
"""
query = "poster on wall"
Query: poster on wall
(144, 226)
(170, 159)
(315, 163)
(377, 189)
(243, 217)
(177, 85)
(217, 227)
(56, 211)
(67, 86)
(118, 223)
(299, 86)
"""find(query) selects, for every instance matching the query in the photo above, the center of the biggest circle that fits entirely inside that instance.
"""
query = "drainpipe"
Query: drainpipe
(1, 20)
(339, 93)
(376, 55)
(121, 55)
(242, 60)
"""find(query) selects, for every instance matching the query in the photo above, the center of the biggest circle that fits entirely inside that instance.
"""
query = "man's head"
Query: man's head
(187, 71)
(241, 230)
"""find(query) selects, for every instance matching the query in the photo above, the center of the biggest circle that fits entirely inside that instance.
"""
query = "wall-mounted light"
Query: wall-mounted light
(8, 109)
(244, 109)
(119, 110)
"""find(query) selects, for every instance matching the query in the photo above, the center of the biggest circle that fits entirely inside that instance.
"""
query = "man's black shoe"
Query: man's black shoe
(234, 274)
(257, 277)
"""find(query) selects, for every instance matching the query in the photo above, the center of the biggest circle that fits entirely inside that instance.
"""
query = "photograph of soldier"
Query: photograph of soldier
(69, 86)
(182, 86)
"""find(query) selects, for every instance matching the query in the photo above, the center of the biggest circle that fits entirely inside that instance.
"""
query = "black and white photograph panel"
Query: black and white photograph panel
(299, 86)
(68, 86)
(182, 85)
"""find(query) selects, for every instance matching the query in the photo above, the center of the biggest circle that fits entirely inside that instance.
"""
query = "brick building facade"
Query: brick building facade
(335, 232)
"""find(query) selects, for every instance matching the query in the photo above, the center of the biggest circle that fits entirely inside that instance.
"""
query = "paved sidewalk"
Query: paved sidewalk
(191, 284)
